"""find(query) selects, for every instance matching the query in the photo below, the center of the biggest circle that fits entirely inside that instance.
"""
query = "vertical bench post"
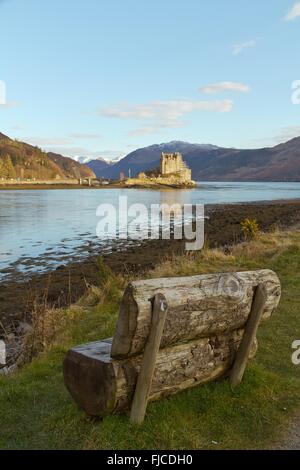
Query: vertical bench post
(144, 381)
(239, 366)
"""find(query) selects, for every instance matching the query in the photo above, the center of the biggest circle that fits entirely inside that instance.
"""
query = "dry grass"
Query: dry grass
(49, 327)
(52, 326)
(266, 245)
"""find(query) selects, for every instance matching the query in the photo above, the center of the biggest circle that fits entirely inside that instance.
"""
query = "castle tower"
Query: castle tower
(173, 164)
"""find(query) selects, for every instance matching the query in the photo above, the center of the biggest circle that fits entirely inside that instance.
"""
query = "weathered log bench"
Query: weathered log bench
(172, 334)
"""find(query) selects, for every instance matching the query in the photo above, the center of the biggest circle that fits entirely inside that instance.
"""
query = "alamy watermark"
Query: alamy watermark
(296, 353)
(2, 353)
(295, 98)
(2, 92)
(157, 221)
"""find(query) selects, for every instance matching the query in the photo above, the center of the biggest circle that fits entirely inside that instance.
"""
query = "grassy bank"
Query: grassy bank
(36, 411)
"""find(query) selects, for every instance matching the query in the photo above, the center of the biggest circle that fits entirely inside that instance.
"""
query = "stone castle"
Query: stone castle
(173, 164)
(173, 172)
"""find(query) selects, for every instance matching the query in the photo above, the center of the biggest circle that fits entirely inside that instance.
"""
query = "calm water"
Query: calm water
(42, 229)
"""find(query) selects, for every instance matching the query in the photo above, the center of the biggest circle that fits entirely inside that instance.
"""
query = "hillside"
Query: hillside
(21, 160)
(98, 166)
(212, 163)
(70, 167)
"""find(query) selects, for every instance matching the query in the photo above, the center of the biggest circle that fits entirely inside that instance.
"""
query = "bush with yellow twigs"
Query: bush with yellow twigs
(250, 228)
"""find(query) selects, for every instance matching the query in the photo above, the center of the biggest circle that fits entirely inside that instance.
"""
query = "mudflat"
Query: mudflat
(67, 283)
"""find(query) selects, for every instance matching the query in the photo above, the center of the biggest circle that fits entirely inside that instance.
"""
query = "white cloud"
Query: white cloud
(79, 135)
(142, 131)
(45, 141)
(287, 133)
(281, 136)
(293, 13)
(238, 48)
(68, 151)
(17, 127)
(224, 86)
(67, 146)
(70, 139)
(76, 152)
(164, 114)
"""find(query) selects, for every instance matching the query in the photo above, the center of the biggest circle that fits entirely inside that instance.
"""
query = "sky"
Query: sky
(100, 78)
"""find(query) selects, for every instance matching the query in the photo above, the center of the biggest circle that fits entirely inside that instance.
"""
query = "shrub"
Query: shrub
(250, 228)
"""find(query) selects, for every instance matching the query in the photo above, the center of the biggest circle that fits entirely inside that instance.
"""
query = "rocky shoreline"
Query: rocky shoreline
(67, 283)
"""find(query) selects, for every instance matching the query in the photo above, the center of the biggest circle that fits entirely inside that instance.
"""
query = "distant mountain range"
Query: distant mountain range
(98, 166)
(21, 160)
(212, 163)
(208, 162)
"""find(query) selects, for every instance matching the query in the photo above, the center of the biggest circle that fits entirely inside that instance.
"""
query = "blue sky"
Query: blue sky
(100, 78)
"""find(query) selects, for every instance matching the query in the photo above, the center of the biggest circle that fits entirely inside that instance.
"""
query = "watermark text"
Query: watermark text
(296, 353)
(295, 98)
(2, 93)
(159, 221)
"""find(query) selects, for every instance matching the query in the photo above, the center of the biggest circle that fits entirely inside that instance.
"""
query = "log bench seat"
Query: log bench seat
(172, 334)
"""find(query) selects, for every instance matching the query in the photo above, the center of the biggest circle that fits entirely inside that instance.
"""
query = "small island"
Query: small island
(173, 172)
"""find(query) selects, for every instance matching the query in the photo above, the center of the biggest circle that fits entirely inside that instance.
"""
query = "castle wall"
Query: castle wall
(171, 163)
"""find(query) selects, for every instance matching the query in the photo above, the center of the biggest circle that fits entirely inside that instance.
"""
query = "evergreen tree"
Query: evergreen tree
(7, 169)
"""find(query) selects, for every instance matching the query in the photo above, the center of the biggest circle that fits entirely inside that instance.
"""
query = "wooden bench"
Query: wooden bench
(172, 334)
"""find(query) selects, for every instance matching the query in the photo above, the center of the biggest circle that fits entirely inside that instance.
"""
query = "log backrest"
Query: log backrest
(198, 306)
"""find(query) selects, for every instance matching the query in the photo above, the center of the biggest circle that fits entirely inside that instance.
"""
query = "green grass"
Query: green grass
(36, 412)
